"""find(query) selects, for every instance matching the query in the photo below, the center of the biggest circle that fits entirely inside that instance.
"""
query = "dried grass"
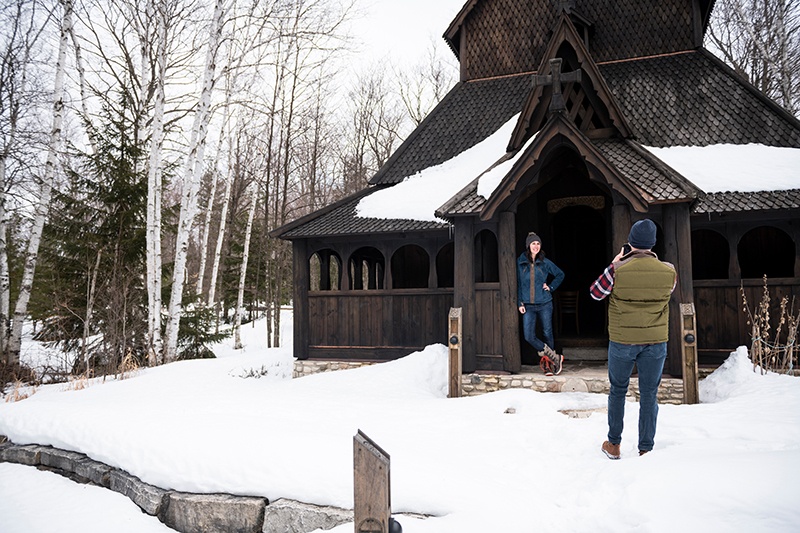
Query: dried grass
(772, 355)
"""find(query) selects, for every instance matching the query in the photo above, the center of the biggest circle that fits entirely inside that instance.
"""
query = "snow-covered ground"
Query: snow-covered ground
(731, 463)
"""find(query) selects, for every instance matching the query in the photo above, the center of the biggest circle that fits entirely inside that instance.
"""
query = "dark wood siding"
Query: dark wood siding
(487, 307)
(378, 324)
(721, 323)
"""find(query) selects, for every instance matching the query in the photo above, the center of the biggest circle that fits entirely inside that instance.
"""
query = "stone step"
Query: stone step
(588, 353)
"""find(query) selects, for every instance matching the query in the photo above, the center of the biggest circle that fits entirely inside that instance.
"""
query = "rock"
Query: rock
(289, 516)
(213, 513)
(149, 497)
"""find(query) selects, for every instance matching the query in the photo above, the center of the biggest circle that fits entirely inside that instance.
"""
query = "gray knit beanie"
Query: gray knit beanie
(532, 237)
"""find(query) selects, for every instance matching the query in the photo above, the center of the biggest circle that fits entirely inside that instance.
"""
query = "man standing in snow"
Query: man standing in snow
(639, 286)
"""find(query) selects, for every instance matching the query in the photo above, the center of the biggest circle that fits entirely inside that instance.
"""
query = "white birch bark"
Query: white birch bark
(54, 145)
(237, 318)
(201, 273)
(191, 184)
(5, 282)
(226, 200)
(14, 86)
(154, 179)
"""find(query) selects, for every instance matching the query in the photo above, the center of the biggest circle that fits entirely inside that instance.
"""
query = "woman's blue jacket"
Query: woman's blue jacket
(544, 269)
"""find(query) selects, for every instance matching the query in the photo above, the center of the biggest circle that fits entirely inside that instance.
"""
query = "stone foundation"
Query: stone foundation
(596, 380)
(670, 391)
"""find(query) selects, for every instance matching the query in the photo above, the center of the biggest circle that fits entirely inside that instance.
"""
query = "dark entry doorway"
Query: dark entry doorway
(572, 214)
(580, 249)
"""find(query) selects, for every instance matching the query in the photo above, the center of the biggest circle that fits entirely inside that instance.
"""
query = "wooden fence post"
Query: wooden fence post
(372, 500)
(454, 340)
(689, 350)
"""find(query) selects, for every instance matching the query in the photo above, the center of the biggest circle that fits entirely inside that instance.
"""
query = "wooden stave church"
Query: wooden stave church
(377, 289)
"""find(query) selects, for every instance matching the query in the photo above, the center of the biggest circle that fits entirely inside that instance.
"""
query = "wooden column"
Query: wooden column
(464, 290)
(678, 251)
(509, 315)
(691, 392)
(620, 227)
(455, 359)
(301, 277)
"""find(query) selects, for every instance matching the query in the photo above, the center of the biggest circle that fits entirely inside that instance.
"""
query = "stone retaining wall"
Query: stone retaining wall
(182, 511)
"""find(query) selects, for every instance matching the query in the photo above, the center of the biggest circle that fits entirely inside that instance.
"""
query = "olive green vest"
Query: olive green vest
(638, 309)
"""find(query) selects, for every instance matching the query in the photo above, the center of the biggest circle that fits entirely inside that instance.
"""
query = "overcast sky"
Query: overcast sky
(402, 29)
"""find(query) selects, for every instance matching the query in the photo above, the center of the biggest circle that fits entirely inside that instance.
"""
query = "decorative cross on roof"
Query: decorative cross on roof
(566, 5)
(556, 78)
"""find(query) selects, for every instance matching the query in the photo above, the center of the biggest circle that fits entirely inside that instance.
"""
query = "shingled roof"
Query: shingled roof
(723, 202)
(469, 113)
(693, 99)
(341, 219)
(656, 180)
(508, 36)
(683, 99)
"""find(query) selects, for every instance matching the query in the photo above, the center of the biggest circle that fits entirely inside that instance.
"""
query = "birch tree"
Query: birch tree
(237, 320)
(23, 23)
(43, 203)
(191, 182)
(154, 185)
(760, 40)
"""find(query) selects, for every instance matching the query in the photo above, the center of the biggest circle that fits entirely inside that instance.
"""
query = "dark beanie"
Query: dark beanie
(643, 234)
(532, 237)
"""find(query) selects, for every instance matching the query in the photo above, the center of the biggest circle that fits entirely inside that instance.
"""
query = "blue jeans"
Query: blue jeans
(649, 359)
(542, 313)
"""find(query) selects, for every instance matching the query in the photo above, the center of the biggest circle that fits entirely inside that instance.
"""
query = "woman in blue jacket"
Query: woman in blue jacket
(537, 278)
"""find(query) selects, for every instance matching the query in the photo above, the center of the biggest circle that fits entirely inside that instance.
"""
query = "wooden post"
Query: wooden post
(301, 275)
(454, 340)
(689, 350)
(509, 316)
(372, 507)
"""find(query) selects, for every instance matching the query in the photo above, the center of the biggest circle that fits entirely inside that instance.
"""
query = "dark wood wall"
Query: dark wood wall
(721, 321)
(378, 324)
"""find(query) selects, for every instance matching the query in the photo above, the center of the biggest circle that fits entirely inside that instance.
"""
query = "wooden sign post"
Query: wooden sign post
(454, 342)
(689, 350)
(372, 507)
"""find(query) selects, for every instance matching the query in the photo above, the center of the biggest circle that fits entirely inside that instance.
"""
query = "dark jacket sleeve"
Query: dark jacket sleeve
(558, 275)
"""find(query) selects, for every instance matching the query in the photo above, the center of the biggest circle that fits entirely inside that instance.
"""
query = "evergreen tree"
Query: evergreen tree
(91, 293)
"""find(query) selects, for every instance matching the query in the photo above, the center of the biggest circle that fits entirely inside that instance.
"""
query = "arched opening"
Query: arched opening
(366, 269)
(325, 268)
(485, 261)
(766, 251)
(410, 267)
(445, 266)
(710, 255)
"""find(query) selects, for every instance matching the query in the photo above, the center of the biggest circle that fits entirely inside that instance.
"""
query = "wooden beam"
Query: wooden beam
(464, 290)
(620, 226)
(509, 321)
(300, 275)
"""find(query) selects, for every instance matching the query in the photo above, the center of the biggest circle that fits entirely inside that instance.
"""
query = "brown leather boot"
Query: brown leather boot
(611, 450)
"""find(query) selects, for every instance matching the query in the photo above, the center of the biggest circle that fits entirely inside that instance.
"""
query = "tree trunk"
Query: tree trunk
(237, 322)
(191, 184)
(212, 287)
(26, 285)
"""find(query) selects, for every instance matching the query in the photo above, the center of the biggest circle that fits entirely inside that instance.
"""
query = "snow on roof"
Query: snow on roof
(417, 197)
(715, 168)
(734, 167)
